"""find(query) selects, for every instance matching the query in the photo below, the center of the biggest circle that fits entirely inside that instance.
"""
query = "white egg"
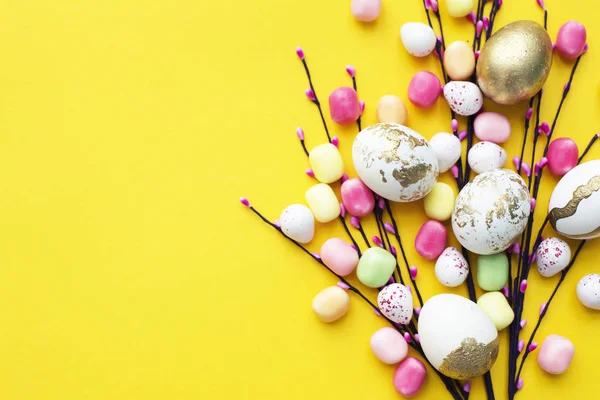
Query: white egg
(491, 212)
(298, 223)
(588, 291)
(552, 256)
(447, 149)
(575, 201)
(457, 336)
(418, 39)
(464, 98)
(451, 268)
(395, 162)
(396, 303)
(486, 156)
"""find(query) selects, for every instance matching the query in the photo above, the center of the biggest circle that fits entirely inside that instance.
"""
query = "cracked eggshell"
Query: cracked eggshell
(395, 162)
(451, 268)
(486, 156)
(491, 212)
(457, 336)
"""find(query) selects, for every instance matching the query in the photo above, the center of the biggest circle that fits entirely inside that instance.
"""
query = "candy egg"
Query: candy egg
(298, 223)
(375, 267)
(396, 303)
(588, 291)
(431, 240)
(556, 354)
(326, 162)
(492, 271)
(357, 198)
(344, 107)
(424, 89)
(451, 268)
(389, 345)
(464, 98)
(409, 377)
(492, 127)
(365, 10)
(331, 304)
(439, 203)
(323, 203)
(486, 156)
(515, 62)
(563, 156)
(418, 39)
(457, 336)
(575, 201)
(339, 256)
(460, 8)
(447, 150)
(391, 109)
(570, 41)
(553, 255)
(395, 162)
(459, 61)
(491, 211)
(497, 308)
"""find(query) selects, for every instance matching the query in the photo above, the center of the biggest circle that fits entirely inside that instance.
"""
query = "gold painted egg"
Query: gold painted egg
(515, 62)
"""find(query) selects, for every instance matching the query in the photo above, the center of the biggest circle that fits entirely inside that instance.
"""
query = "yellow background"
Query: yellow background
(128, 131)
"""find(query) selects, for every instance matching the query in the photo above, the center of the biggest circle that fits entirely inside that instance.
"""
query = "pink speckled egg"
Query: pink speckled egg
(451, 268)
(389, 345)
(563, 156)
(464, 98)
(424, 89)
(553, 255)
(396, 303)
(339, 256)
(556, 354)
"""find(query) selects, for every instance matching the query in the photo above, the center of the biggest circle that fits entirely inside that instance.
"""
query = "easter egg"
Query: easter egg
(395, 162)
(459, 61)
(464, 98)
(431, 240)
(357, 197)
(298, 223)
(451, 268)
(365, 10)
(575, 201)
(418, 39)
(391, 108)
(439, 203)
(457, 336)
(331, 304)
(492, 127)
(553, 255)
(515, 62)
(375, 267)
(447, 149)
(424, 89)
(556, 354)
(486, 156)
(570, 41)
(588, 291)
(496, 306)
(396, 303)
(491, 212)
(563, 156)
(326, 162)
(339, 256)
(389, 345)
(409, 377)
(460, 8)
(322, 201)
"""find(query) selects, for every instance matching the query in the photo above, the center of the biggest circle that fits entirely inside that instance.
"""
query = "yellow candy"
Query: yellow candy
(497, 308)
(331, 304)
(323, 203)
(439, 203)
(326, 162)
(459, 61)
(460, 8)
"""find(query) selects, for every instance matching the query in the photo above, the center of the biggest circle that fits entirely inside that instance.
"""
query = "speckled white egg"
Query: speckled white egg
(464, 98)
(447, 149)
(575, 202)
(491, 212)
(298, 222)
(395, 162)
(486, 156)
(552, 256)
(457, 336)
(396, 303)
(588, 291)
(418, 39)
(451, 268)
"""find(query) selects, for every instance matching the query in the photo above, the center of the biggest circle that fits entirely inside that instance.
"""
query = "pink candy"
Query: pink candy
(556, 354)
(563, 156)
(424, 89)
(431, 240)
(409, 377)
(389, 345)
(343, 105)
(365, 10)
(570, 42)
(492, 127)
(357, 197)
(339, 256)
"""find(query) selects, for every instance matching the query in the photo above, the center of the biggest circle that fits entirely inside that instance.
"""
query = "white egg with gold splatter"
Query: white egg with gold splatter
(457, 336)
(451, 268)
(575, 202)
(395, 162)
(491, 212)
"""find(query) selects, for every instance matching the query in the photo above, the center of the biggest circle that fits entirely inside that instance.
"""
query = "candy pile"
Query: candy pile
(490, 214)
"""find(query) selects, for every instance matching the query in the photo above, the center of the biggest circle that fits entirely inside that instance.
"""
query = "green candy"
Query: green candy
(492, 272)
(375, 267)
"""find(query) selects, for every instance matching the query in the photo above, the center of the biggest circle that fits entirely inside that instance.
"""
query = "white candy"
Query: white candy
(298, 223)
(553, 255)
(575, 203)
(396, 303)
(451, 268)
(418, 39)
(447, 149)
(464, 98)
(588, 291)
(486, 156)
